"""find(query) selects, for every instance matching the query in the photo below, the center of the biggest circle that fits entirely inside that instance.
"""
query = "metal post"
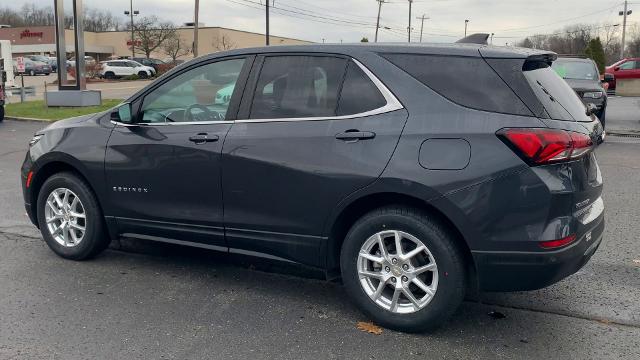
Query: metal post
(78, 26)
(22, 88)
(133, 42)
(61, 48)
(378, 21)
(409, 28)
(195, 29)
(624, 29)
(267, 24)
(466, 22)
(492, 38)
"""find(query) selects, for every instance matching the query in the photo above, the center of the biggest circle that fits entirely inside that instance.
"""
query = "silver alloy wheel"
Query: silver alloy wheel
(65, 217)
(397, 271)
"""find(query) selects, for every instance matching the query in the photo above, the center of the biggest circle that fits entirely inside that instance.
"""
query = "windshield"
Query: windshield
(557, 97)
(575, 70)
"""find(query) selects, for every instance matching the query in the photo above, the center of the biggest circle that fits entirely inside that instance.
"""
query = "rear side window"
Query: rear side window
(358, 94)
(298, 86)
(467, 81)
(557, 97)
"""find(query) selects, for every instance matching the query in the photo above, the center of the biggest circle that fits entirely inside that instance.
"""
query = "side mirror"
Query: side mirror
(616, 68)
(122, 113)
(591, 109)
(609, 77)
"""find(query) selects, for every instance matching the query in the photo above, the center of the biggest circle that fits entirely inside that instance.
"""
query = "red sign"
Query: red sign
(138, 42)
(20, 64)
(30, 34)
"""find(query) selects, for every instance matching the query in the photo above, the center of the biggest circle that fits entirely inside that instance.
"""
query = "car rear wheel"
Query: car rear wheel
(403, 269)
(143, 75)
(70, 219)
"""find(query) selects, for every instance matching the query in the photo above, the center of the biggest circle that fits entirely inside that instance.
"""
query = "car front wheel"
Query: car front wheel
(70, 218)
(403, 269)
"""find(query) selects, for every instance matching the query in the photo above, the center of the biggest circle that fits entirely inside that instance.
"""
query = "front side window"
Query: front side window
(200, 94)
(629, 65)
(298, 86)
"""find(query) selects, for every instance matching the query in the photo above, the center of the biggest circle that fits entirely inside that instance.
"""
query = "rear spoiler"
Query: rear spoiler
(478, 38)
(546, 58)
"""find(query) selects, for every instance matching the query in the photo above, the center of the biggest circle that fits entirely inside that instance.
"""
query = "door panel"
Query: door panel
(282, 177)
(164, 171)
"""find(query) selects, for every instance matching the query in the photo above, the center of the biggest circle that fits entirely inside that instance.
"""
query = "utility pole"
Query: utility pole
(132, 13)
(492, 38)
(195, 29)
(409, 28)
(624, 26)
(267, 23)
(378, 22)
(466, 22)
(423, 18)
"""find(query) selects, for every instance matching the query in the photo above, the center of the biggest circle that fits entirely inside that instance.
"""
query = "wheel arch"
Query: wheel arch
(53, 165)
(356, 208)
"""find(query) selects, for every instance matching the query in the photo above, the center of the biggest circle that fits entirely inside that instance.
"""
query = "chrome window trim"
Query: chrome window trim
(392, 104)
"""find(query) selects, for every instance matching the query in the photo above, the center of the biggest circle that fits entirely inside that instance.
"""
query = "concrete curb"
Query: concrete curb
(15, 118)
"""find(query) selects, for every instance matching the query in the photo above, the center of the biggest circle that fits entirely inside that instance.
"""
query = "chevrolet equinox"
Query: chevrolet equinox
(414, 173)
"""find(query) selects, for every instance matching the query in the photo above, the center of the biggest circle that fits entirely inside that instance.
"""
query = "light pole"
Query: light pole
(466, 22)
(267, 23)
(195, 29)
(131, 12)
(378, 21)
(492, 38)
(624, 13)
(422, 18)
(409, 28)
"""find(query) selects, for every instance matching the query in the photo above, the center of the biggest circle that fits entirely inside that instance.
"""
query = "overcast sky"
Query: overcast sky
(350, 20)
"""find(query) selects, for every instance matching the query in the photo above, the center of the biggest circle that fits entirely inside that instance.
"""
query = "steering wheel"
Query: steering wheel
(208, 114)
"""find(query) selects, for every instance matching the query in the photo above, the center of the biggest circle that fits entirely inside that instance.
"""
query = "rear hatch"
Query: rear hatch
(558, 106)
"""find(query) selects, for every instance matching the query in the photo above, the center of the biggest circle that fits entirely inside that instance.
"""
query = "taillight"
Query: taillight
(553, 244)
(544, 146)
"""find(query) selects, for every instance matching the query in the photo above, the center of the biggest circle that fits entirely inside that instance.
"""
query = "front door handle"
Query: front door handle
(355, 135)
(203, 138)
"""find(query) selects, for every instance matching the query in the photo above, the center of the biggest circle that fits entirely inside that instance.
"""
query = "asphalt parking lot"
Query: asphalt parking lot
(141, 300)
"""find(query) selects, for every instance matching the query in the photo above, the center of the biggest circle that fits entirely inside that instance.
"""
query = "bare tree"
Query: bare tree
(100, 20)
(176, 47)
(223, 43)
(151, 33)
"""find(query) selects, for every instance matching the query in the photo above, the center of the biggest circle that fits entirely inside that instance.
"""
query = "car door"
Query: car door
(626, 70)
(163, 172)
(316, 129)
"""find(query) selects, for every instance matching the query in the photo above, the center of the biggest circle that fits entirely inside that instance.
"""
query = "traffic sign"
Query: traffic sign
(20, 64)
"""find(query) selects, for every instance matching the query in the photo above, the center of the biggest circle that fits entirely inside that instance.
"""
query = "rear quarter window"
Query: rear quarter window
(466, 81)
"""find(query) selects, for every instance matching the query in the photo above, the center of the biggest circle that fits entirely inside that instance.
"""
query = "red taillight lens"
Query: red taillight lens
(552, 244)
(542, 146)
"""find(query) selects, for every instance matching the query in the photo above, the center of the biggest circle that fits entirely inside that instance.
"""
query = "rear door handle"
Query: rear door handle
(354, 135)
(202, 138)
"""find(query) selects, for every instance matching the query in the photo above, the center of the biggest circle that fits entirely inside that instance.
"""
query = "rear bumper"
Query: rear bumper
(520, 271)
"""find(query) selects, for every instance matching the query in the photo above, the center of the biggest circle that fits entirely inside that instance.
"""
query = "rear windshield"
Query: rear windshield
(557, 97)
(576, 70)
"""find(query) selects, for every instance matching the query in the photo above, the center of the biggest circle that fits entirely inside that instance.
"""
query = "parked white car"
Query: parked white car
(118, 68)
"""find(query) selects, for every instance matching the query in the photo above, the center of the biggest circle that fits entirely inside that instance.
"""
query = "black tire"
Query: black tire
(109, 75)
(32, 73)
(1, 113)
(602, 116)
(95, 238)
(143, 75)
(442, 245)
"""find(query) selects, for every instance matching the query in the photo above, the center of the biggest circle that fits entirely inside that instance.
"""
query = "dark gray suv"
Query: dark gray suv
(414, 173)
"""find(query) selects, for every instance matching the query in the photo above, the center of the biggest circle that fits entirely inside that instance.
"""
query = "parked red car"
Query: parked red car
(623, 69)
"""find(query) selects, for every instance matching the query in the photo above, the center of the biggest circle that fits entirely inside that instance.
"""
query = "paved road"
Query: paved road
(160, 301)
(623, 114)
(110, 89)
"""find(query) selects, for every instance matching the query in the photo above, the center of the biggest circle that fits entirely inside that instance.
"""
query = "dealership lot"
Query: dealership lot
(155, 301)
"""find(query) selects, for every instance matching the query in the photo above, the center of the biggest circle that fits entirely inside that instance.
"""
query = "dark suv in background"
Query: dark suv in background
(584, 78)
(415, 173)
